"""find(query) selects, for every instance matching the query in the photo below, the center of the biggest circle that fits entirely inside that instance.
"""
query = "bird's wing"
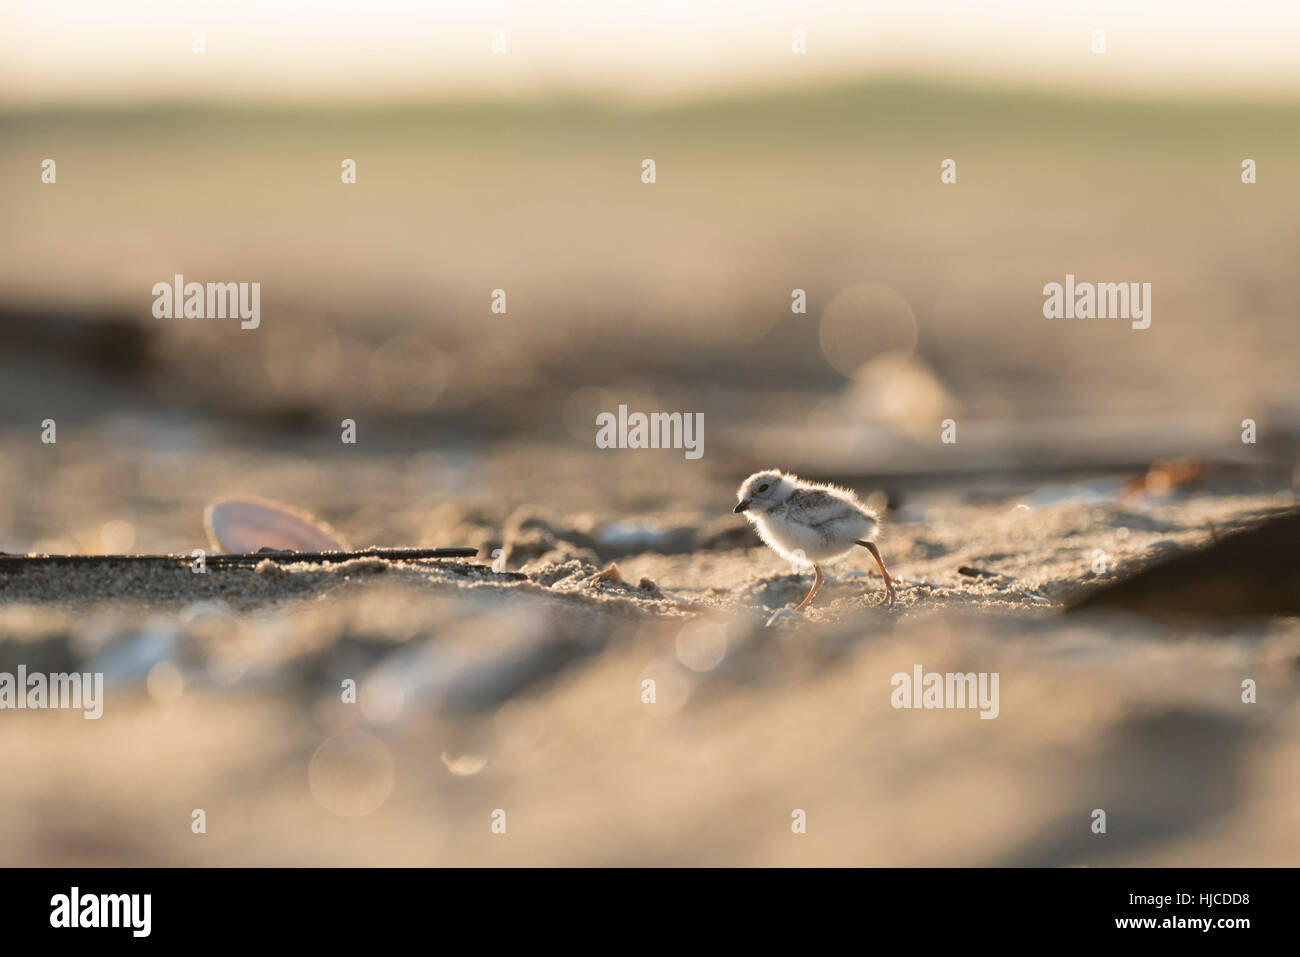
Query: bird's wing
(816, 505)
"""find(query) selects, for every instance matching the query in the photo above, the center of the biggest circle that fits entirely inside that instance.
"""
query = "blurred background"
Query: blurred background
(521, 170)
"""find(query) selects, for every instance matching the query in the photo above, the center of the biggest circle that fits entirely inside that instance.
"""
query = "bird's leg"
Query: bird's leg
(815, 589)
(884, 572)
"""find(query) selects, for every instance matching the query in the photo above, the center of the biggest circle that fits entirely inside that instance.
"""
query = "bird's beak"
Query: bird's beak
(742, 506)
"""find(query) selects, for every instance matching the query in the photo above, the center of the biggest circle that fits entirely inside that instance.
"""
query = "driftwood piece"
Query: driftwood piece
(1250, 572)
(240, 559)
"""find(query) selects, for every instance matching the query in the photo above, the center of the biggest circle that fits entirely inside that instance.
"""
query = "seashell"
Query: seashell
(250, 524)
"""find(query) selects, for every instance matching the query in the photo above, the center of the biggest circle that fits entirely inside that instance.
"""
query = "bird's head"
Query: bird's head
(763, 490)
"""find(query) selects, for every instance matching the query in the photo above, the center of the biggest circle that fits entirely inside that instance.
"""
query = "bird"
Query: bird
(814, 521)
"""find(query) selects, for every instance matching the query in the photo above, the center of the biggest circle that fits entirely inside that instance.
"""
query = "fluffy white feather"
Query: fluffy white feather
(791, 515)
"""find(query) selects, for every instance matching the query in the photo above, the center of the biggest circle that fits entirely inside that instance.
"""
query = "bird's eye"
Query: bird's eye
(762, 488)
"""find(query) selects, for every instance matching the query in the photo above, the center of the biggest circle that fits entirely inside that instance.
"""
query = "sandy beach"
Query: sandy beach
(523, 690)
(531, 707)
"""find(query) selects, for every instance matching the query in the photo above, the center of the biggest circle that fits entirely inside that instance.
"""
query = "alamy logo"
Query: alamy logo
(75, 909)
(1105, 300)
(39, 691)
(657, 430)
(214, 300)
(951, 690)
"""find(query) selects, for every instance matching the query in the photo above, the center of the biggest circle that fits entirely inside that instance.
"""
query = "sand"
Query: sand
(523, 691)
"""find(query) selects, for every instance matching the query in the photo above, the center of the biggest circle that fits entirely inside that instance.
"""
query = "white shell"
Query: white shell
(250, 524)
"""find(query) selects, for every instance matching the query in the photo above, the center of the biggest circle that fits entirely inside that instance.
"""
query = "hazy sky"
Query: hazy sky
(76, 50)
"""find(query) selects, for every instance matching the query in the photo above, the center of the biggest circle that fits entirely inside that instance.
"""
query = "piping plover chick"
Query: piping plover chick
(820, 521)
